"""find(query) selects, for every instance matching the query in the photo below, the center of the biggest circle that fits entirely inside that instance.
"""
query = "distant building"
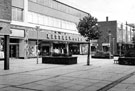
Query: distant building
(115, 37)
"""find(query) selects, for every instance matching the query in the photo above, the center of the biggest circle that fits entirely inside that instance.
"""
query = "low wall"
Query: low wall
(59, 60)
(126, 60)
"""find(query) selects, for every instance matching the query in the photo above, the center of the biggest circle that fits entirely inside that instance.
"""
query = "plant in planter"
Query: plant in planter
(101, 54)
(58, 53)
(129, 57)
(130, 53)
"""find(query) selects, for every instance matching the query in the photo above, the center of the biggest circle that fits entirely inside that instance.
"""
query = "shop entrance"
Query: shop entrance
(45, 50)
(74, 48)
(105, 48)
(60, 47)
(14, 50)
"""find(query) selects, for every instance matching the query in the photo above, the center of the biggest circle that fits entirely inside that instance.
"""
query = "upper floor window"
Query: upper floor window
(17, 14)
(50, 21)
(61, 7)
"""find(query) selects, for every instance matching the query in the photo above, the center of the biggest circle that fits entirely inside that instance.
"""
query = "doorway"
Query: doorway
(14, 50)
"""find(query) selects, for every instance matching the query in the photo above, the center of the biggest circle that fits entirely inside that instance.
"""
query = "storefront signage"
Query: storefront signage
(16, 33)
(105, 44)
(4, 29)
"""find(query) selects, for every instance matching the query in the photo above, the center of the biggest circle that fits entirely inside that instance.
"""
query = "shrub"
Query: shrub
(101, 54)
(130, 53)
(59, 54)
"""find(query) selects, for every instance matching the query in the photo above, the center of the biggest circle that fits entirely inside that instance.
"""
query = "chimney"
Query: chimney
(107, 18)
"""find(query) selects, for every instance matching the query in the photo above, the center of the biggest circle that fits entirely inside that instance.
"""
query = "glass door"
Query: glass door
(14, 51)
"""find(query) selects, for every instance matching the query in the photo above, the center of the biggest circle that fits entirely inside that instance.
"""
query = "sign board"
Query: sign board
(105, 44)
(5, 28)
(120, 44)
(16, 33)
(1, 54)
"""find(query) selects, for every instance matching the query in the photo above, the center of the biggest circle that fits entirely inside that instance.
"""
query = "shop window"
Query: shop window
(59, 37)
(93, 48)
(78, 39)
(81, 39)
(105, 48)
(55, 36)
(62, 37)
(73, 39)
(69, 38)
(48, 36)
(51, 36)
(66, 37)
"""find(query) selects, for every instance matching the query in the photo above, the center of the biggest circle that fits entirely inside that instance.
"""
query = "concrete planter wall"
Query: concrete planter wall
(59, 60)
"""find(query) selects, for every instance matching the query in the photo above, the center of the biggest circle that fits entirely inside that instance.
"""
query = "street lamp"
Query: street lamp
(109, 34)
(37, 29)
(113, 45)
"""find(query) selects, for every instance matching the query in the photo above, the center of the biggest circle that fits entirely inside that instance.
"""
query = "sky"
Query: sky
(120, 10)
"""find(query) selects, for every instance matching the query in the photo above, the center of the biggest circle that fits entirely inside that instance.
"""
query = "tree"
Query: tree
(89, 28)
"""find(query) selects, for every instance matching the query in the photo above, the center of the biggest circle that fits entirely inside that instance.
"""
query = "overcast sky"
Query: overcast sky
(120, 10)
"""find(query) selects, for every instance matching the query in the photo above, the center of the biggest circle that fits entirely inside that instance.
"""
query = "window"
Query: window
(40, 19)
(54, 5)
(40, 1)
(35, 18)
(50, 21)
(63, 24)
(17, 14)
(46, 20)
(33, 0)
(30, 16)
(46, 2)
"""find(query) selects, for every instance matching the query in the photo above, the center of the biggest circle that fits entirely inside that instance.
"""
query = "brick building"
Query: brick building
(5, 18)
(115, 37)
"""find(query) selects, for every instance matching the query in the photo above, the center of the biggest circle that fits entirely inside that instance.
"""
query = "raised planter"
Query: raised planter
(102, 57)
(59, 60)
(129, 57)
(126, 60)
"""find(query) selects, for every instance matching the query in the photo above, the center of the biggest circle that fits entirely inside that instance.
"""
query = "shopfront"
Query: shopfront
(14, 50)
(1, 48)
(105, 47)
(74, 48)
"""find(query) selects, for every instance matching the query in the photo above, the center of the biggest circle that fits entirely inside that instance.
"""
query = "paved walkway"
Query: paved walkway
(101, 75)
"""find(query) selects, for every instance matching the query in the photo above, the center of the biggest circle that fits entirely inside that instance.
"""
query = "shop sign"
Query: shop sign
(105, 44)
(16, 33)
(1, 54)
(4, 29)
(120, 44)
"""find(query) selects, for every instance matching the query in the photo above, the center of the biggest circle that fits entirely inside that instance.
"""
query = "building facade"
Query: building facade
(5, 19)
(41, 24)
(115, 37)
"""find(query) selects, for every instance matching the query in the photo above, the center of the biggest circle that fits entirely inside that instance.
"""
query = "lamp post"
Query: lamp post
(113, 45)
(109, 43)
(37, 29)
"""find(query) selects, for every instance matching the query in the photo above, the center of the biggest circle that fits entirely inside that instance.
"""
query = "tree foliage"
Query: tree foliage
(89, 28)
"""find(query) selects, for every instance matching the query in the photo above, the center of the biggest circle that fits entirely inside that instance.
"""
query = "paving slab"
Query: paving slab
(27, 75)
